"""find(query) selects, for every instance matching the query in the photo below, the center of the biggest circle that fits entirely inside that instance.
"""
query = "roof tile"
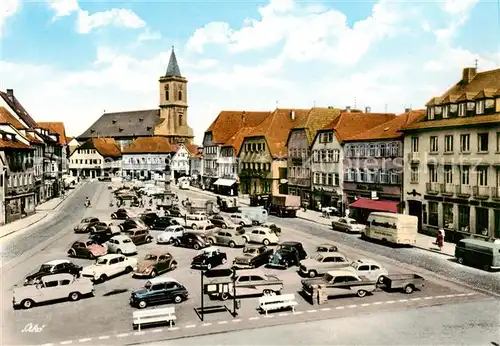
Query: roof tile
(156, 144)
(56, 127)
(228, 123)
(7, 118)
(453, 122)
(107, 147)
(19, 109)
(482, 80)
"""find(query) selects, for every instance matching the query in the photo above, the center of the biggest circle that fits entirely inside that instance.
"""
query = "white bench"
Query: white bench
(284, 301)
(153, 316)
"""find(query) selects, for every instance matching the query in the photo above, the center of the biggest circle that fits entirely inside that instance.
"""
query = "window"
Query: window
(373, 150)
(414, 174)
(384, 177)
(315, 156)
(336, 179)
(434, 144)
(383, 151)
(462, 110)
(316, 178)
(167, 92)
(330, 136)
(323, 155)
(482, 142)
(433, 177)
(323, 178)
(51, 284)
(394, 149)
(464, 218)
(361, 175)
(446, 112)
(430, 113)
(329, 156)
(465, 143)
(482, 216)
(482, 176)
(414, 144)
(330, 179)
(370, 176)
(336, 155)
(356, 150)
(480, 107)
(395, 177)
(433, 214)
(448, 215)
(448, 175)
(448, 143)
(179, 96)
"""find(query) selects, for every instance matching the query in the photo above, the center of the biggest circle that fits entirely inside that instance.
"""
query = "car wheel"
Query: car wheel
(27, 303)
(335, 249)
(92, 230)
(119, 252)
(113, 216)
(193, 226)
(177, 299)
(380, 279)
(486, 267)
(266, 242)
(224, 225)
(211, 241)
(409, 289)
(129, 269)
(286, 264)
(242, 223)
(91, 256)
(246, 239)
(74, 296)
(103, 278)
(142, 304)
(177, 242)
(72, 253)
(224, 260)
(209, 266)
(149, 239)
(153, 274)
(312, 273)
(232, 244)
(196, 247)
(173, 265)
(361, 293)
(460, 260)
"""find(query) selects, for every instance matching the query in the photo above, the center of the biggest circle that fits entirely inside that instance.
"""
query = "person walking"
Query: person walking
(440, 239)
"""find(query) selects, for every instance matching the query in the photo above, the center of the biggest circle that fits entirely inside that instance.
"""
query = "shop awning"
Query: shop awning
(225, 182)
(378, 205)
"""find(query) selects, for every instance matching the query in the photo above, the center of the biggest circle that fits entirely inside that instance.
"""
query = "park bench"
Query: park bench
(277, 302)
(153, 316)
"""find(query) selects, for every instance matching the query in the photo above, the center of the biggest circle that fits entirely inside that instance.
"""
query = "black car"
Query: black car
(163, 222)
(159, 291)
(121, 214)
(220, 221)
(132, 223)
(99, 227)
(149, 218)
(192, 240)
(174, 212)
(287, 254)
(102, 237)
(253, 257)
(85, 225)
(53, 267)
(209, 258)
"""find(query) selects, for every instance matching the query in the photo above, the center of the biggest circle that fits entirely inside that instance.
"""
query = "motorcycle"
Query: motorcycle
(87, 204)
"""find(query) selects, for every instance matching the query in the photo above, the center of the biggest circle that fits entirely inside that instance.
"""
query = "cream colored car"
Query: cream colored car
(52, 287)
(261, 235)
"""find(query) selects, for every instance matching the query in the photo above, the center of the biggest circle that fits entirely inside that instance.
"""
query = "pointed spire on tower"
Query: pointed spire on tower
(173, 68)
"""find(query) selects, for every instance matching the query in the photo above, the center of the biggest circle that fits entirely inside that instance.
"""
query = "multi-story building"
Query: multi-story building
(374, 165)
(181, 159)
(226, 131)
(263, 155)
(454, 159)
(298, 145)
(95, 158)
(327, 163)
(73, 143)
(196, 165)
(148, 158)
(58, 128)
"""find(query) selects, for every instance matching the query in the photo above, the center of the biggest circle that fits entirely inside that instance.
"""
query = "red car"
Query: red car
(87, 249)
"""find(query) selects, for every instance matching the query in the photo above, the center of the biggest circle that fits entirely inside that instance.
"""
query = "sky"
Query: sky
(71, 60)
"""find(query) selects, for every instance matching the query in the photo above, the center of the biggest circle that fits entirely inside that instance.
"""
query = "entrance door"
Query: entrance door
(415, 209)
(93, 173)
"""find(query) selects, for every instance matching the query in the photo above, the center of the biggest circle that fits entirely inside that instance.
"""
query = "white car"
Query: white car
(347, 224)
(52, 287)
(261, 235)
(369, 269)
(109, 266)
(169, 234)
(121, 244)
(240, 219)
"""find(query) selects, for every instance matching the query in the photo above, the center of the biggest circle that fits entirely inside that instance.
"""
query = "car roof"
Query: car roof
(290, 243)
(57, 277)
(110, 256)
(366, 261)
(262, 229)
(210, 249)
(56, 262)
(341, 272)
(160, 280)
(120, 237)
(158, 253)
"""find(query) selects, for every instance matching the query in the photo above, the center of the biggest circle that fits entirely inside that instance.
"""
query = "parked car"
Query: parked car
(240, 219)
(155, 263)
(253, 257)
(169, 234)
(368, 269)
(261, 235)
(174, 211)
(159, 290)
(163, 222)
(347, 224)
(209, 258)
(53, 267)
(227, 237)
(99, 227)
(194, 221)
(149, 218)
(122, 214)
(251, 282)
(85, 224)
(52, 287)
(139, 236)
(327, 248)
(236, 228)
(322, 263)
(109, 266)
(121, 244)
(220, 221)
(272, 227)
(287, 254)
(102, 237)
(192, 240)
(339, 283)
(87, 249)
(133, 223)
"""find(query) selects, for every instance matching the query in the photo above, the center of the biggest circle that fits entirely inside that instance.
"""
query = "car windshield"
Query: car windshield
(91, 242)
(250, 250)
(353, 222)
(126, 241)
(328, 277)
(85, 220)
(101, 261)
(322, 249)
(151, 257)
(284, 248)
(46, 268)
(318, 257)
(355, 265)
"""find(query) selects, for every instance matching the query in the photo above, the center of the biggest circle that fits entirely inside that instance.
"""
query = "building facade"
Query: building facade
(148, 158)
(97, 157)
(196, 166)
(454, 160)
(179, 166)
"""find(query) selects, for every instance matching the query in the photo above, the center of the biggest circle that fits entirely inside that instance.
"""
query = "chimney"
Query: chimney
(330, 107)
(368, 109)
(10, 94)
(407, 109)
(348, 109)
(468, 73)
(292, 115)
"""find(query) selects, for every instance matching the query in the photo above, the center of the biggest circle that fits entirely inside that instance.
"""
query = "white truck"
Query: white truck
(258, 215)
(392, 228)
(284, 205)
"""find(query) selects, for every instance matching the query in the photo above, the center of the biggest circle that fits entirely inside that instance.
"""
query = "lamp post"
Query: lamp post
(234, 292)
(202, 295)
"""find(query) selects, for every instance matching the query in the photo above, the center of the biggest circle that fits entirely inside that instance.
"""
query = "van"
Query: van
(478, 253)
(184, 184)
(392, 228)
(196, 221)
(258, 215)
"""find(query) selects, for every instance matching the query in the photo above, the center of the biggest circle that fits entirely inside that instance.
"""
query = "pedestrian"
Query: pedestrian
(440, 239)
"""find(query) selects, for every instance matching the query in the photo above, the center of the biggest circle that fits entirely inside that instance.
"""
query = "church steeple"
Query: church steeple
(173, 68)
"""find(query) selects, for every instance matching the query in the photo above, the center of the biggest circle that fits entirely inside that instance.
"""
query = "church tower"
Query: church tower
(173, 105)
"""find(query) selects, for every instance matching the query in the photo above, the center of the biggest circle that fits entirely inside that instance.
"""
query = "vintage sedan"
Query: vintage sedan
(220, 221)
(52, 287)
(192, 240)
(159, 290)
(326, 247)
(170, 234)
(163, 222)
(122, 214)
(53, 267)
(272, 227)
(109, 266)
(154, 264)
(121, 244)
(209, 258)
(287, 254)
(139, 236)
(133, 223)
(253, 257)
(347, 224)
(369, 269)
(85, 225)
(240, 219)
(228, 238)
(322, 263)
(87, 249)
(262, 235)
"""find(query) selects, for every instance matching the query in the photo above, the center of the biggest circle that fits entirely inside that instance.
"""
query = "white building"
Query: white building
(181, 159)
(148, 158)
(96, 158)
(453, 155)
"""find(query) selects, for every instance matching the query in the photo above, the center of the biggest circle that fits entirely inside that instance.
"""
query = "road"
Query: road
(106, 318)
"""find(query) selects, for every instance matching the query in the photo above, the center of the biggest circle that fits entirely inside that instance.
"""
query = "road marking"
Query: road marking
(174, 328)
(402, 300)
(311, 311)
(139, 333)
(66, 342)
(236, 321)
(428, 298)
(269, 316)
(298, 312)
(390, 302)
(365, 304)
(461, 295)
(325, 309)
(104, 337)
(122, 335)
(158, 330)
(85, 340)
(471, 294)
(222, 322)
(283, 314)
(339, 308)
(190, 326)
(450, 296)
(351, 306)
(439, 297)
(206, 324)
(414, 299)
(377, 303)
(253, 318)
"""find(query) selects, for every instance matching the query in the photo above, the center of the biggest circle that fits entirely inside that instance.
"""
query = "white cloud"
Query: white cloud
(7, 9)
(63, 8)
(458, 11)
(148, 35)
(212, 33)
(458, 6)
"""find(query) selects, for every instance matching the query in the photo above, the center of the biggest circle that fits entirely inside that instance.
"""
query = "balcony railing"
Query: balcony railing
(413, 157)
(432, 187)
(463, 190)
(495, 192)
(481, 192)
(448, 189)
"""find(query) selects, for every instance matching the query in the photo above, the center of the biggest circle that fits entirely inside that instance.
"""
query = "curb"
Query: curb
(434, 251)
(28, 225)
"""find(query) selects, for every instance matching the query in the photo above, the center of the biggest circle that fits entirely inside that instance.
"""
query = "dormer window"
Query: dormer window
(446, 112)
(430, 113)
(480, 107)
(462, 108)
(141, 120)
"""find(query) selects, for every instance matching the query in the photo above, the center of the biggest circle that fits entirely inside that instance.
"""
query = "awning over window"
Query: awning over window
(378, 205)
(225, 182)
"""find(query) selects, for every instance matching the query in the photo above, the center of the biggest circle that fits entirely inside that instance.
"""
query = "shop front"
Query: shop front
(362, 207)
(19, 206)
(228, 187)
(326, 198)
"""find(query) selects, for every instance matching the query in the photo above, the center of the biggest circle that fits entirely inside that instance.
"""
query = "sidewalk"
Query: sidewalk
(424, 242)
